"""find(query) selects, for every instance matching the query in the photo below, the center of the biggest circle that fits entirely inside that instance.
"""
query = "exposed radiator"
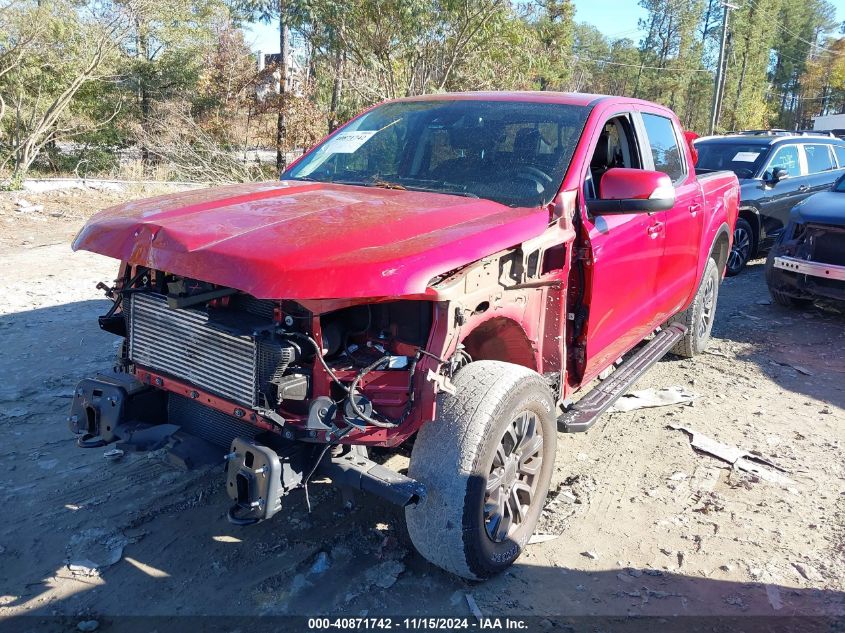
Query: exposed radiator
(183, 344)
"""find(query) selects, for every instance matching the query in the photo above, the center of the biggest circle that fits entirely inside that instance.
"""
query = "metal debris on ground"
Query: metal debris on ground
(473, 607)
(649, 398)
(800, 369)
(542, 538)
(773, 594)
(114, 454)
(737, 457)
(92, 550)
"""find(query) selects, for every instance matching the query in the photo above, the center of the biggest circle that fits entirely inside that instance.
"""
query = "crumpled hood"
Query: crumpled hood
(827, 207)
(302, 240)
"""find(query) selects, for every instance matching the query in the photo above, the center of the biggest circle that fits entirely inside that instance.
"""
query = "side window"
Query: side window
(818, 158)
(786, 157)
(839, 150)
(665, 150)
(616, 147)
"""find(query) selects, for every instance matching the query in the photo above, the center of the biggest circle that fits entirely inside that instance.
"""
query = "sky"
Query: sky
(614, 18)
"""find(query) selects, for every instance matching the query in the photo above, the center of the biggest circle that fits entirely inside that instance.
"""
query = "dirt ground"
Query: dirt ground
(637, 522)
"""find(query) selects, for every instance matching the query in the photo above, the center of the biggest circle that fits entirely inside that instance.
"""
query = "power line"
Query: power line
(643, 66)
(799, 38)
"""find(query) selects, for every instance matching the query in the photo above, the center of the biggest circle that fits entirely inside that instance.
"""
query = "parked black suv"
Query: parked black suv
(808, 260)
(775, 171)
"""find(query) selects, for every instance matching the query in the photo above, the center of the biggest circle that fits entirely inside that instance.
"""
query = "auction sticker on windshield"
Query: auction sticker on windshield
(744, 157)
(348, 142)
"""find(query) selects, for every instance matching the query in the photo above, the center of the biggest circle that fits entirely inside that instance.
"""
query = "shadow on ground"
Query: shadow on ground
(799, 349)
(178, 556)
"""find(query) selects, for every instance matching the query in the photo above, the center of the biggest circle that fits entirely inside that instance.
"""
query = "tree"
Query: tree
(51, 52)
(799, 26)
(282, 11)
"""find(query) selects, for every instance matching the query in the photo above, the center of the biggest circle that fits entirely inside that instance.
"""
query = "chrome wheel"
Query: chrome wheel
(741, 249)
(708, 301)
(513, 478)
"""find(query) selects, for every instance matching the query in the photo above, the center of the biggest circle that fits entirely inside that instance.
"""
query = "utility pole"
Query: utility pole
(717, 88)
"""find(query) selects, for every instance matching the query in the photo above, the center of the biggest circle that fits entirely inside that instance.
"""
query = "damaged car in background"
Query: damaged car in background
(808, 261)
(450, 274)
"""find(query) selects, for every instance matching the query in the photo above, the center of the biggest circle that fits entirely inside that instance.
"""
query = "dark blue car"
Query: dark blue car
(775, 171)
(808, 259)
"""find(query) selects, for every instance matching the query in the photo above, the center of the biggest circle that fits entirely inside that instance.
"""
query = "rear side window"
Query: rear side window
(839, 150)
(664, 146)
(786, 157)
(818, 158)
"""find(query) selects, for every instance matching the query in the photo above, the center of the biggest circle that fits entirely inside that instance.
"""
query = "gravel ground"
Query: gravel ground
(637, 521)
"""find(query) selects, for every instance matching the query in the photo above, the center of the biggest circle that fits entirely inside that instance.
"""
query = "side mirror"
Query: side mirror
(624, 190)
(778, 174)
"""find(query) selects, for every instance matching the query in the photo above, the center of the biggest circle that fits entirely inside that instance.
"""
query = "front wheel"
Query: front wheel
(699, 316)
(741, 249)
(486, 463)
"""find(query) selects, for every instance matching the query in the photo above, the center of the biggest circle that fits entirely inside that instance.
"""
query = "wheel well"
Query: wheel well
(754, 220)
(501, 339)
(720, 251)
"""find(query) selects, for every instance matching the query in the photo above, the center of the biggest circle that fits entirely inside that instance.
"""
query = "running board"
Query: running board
(586, 412)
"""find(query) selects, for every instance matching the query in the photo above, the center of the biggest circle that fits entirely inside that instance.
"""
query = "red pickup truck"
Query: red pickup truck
(449, 272)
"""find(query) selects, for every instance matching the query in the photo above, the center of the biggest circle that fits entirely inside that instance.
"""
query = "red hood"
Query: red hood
(309, 240)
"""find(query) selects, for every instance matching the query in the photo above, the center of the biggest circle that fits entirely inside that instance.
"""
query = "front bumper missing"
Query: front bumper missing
(257, 477)
(813, 269)
(259, 470)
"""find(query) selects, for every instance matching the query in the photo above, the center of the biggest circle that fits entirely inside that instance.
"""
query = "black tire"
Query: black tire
(781, 298)
(742, 248)
(456, 456)
(699, 316)
(787, 301)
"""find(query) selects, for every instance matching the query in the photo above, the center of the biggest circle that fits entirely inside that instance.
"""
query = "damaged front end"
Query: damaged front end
(285, 390)
(808, 262)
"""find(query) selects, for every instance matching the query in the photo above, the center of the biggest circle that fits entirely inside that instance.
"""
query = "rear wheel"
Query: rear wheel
(741, 250)
(486, 463)
(698, 317)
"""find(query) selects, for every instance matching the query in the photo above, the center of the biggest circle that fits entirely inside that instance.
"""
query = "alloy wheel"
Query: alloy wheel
(513, 478)
(708, 301)
(741, 249)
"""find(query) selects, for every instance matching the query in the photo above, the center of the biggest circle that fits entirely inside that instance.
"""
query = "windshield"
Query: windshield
(515, 153)
(743, 159)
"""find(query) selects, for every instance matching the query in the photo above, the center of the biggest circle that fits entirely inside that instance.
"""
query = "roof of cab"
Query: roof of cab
(768, 139)
(568, 98)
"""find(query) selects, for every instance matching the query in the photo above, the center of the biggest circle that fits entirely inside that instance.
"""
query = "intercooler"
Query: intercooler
(185, 344)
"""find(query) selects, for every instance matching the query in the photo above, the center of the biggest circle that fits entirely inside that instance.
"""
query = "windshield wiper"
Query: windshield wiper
(448, 192)
(387, 185)
(465, 194)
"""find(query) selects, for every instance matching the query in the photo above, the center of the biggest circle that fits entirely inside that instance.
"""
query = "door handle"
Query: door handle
(694, 209)
(804, 188)
(655, 230)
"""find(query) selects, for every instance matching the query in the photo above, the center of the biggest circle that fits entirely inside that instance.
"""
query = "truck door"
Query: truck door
(677, 272)
(625, 250)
